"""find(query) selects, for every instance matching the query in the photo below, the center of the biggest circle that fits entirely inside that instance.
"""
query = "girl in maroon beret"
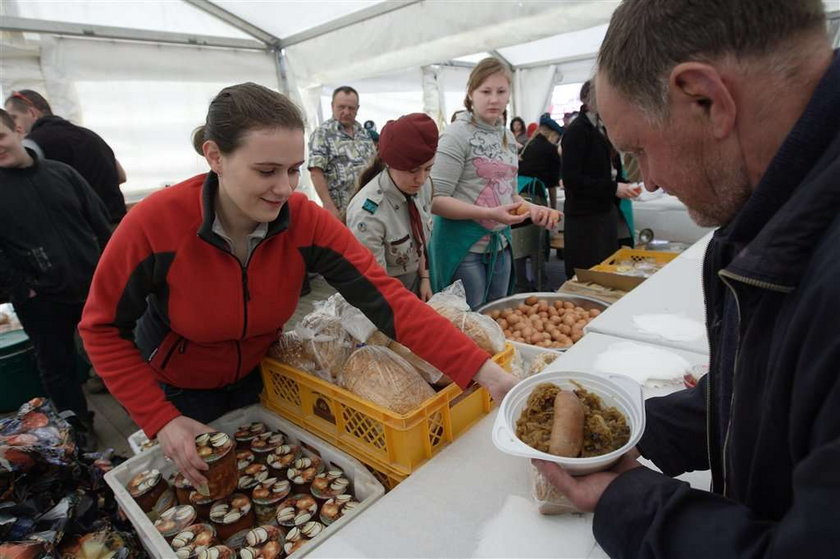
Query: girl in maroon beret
(391, 212)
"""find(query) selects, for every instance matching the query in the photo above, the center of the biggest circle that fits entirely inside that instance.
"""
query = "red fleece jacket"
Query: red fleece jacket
(218, 318)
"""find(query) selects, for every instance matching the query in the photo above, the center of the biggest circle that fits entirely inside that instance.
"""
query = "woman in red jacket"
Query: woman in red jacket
(199, 278)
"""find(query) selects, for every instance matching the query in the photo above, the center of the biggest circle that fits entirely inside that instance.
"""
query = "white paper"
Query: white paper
(643, 363)
(674, 327)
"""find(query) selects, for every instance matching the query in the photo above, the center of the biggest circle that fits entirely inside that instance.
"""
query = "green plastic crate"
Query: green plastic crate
(19, 378)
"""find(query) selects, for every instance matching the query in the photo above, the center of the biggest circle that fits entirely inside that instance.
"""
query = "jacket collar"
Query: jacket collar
(208, 214)
(336, 126)
(393, 193)
(47, 120)
(778, 228)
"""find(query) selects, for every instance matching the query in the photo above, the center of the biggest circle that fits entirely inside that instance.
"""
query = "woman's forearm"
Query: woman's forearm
(450, 208)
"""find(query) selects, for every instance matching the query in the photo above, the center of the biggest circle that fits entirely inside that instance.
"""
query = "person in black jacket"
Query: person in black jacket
(539, 176)
(541, 160)
(687, 87)
(589, 179)
(82, 149)
(53, 228)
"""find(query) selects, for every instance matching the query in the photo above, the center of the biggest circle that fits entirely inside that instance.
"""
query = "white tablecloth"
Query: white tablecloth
(473, 501)
(667, 309)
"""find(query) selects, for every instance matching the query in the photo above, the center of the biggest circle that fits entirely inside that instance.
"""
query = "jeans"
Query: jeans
(474, 271)
(206, 405)
(51, 327)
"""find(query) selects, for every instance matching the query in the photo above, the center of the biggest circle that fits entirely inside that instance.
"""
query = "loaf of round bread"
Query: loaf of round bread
(378, 374)
(483, 330)
(289, 349)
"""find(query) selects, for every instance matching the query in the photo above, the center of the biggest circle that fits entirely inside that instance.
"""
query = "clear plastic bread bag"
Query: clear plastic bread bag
(549, 500)
(325, 340)
(378, 374)
(451, 303)
(291, 350)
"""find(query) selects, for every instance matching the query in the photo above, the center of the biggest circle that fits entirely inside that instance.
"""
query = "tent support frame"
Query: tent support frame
(20, 24)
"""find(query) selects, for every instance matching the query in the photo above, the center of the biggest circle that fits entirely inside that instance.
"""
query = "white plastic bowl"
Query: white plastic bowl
(619, 391)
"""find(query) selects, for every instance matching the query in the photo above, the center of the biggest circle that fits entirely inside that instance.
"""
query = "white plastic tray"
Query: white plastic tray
(365, 486)
(614, 390)
(136, 441)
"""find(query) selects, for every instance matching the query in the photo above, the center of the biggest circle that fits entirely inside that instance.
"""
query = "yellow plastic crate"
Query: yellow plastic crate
(384, 475)
(393, 445)
(660, 258)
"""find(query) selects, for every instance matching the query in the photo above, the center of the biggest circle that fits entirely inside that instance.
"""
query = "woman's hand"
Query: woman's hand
(425, 289)
(628, 191)
(505, 214)
(177, 439)
(496, 380)
(543, 216)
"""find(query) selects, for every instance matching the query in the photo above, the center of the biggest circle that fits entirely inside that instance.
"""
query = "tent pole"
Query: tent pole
(9, 23)
(236, 21)
(282, 75)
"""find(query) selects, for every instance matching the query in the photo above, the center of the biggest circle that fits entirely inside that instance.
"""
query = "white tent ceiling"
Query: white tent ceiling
(140, 72)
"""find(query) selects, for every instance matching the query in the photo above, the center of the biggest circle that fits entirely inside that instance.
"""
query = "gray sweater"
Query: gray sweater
(474, 164)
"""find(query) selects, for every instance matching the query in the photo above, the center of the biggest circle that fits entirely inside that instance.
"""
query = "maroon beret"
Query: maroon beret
(408, 142)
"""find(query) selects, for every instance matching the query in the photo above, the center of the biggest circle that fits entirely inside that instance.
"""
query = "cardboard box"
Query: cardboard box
(609, 279)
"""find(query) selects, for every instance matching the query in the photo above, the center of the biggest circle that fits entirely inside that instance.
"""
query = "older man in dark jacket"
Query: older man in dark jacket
(53, 228)
(734, 106)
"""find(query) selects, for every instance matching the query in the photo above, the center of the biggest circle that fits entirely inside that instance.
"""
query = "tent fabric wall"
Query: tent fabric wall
(166, 15)
(117, 86)
(429, 32)
(114, 86)
(532, 91)
(434, 103)
(576, 71)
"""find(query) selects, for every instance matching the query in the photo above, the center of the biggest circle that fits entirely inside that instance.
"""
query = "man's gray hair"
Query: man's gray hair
(647, 38)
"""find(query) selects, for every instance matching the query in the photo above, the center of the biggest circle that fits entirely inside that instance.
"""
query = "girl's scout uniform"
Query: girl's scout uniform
(378, 217)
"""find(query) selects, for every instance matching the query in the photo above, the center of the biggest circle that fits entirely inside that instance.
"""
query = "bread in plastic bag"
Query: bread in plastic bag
(452, 296)
(378, 374)
(549, 500)
(482, 329)
(542, 361)
(290, 349)
(354, 321)
(517, 365)
(378, 338)
(451, 303)
(429, 372)
(326, 342)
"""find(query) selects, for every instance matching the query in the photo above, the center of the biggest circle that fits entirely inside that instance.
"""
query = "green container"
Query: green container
(19, 378)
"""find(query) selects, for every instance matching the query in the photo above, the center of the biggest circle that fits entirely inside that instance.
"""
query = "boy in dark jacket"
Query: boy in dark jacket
(53, 228)
(734, 107)
(61, 140)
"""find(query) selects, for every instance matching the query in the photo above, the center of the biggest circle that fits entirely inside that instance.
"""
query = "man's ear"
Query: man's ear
(213, 155)
(699, 88)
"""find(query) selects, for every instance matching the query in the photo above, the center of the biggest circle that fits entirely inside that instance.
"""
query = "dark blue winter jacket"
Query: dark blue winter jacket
(766, 419)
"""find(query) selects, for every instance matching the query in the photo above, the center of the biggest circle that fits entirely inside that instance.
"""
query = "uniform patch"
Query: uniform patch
(370, 206)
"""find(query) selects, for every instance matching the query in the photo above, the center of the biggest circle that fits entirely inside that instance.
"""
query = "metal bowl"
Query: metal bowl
(528, 351)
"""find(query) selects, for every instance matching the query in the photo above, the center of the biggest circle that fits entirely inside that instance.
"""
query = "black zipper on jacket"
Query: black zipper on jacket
(734, 375)
(180, 345)
(709, 325)
(246, 296)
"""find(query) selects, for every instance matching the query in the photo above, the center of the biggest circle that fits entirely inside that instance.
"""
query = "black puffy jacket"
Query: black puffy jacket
(766, 419)
(53, 228)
